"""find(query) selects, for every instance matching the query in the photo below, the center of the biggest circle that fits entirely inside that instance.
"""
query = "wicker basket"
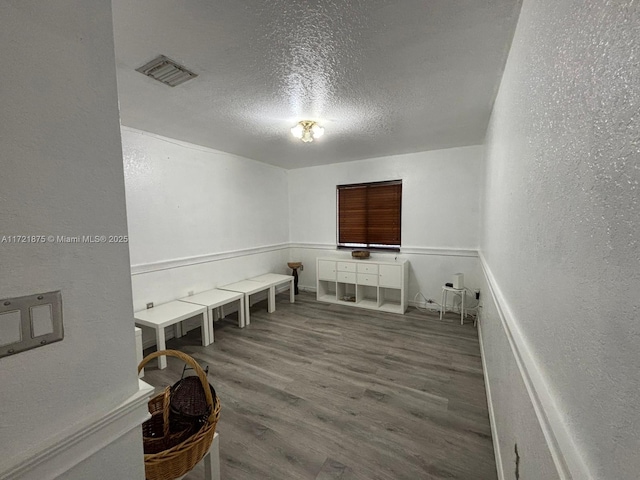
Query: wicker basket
(179, 459)
(156, 432)
(360, 254)
(188, 404)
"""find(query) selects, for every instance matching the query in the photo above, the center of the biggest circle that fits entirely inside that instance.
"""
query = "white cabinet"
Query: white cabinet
(376, 285)
(326, 270)
(391, 276)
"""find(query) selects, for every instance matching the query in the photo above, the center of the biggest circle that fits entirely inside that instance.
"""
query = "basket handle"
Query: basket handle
(165, 412)
(193, 364)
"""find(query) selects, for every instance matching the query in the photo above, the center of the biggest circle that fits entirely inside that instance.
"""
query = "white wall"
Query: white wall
(62, 175)
(199, 218)
(561, 229)
(440, 213)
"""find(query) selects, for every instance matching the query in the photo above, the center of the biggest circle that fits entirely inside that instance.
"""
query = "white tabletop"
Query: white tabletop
(168, 314)
(213, 298)
(272, 278)
(248, 287)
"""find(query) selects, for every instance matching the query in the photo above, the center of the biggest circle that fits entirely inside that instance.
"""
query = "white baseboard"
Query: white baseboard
(61, 453)
(492, 417)
(566, 456)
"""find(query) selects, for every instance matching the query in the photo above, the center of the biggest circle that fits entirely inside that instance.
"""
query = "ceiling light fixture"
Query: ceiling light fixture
(307, 130)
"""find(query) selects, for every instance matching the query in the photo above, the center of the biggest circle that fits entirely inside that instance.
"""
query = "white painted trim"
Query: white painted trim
(304, 288)
(429, 306)
(143, 268)
(443, 252)
(565, 453)
(61, 453)
(492, 417)
(210, 257)
(448, 252)
(317, 246)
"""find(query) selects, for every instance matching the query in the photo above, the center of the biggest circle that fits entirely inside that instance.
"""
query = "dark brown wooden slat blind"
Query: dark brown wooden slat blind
(352, 205)
(369, 214)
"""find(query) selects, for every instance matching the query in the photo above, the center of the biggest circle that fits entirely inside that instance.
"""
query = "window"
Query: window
(369, 215)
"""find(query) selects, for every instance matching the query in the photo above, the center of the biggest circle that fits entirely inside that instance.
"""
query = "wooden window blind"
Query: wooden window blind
(369, 215)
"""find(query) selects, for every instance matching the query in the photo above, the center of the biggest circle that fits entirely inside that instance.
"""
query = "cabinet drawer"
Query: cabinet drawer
(368, 268)
(326, 270)
(391, 276)
(346, 277)
(366, 279)
(346, 267)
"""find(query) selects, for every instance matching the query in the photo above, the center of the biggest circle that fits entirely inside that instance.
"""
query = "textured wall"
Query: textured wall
(184, 201)
(440, 210)
(440, 194)
(62, 175)
(562, 216)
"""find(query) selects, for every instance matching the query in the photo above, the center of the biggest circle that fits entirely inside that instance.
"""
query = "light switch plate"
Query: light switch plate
(10, 327)
(40, 321)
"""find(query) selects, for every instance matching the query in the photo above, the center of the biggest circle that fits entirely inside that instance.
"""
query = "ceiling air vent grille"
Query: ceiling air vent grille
(166, 71)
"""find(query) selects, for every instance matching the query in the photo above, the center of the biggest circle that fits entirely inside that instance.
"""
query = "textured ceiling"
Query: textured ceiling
(382, 77)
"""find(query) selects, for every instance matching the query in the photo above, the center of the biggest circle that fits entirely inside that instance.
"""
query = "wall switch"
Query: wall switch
(10, 328)
(41, 320)
(30, 322)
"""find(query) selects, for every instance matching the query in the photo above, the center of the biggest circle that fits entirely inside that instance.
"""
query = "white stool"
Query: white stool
(443, 301)
(211, 461)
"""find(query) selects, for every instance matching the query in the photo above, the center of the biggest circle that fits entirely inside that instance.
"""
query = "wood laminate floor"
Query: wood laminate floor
(317, 391)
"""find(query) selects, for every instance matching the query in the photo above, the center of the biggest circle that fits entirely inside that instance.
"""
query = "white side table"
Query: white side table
(168, 314)
(273, 280)
(248, 288)
(212, 299)
(443, 301)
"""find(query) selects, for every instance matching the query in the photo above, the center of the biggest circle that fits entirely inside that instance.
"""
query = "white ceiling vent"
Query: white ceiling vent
(166, 71)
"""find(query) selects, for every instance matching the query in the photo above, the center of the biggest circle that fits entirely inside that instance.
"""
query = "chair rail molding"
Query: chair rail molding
(565, 453)
(441, 251)
(61, 453)
(143, 268)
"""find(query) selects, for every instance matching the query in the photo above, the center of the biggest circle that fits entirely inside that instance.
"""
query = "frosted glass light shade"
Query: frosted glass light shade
(307, 130)
(297, 131)
(317, 131)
